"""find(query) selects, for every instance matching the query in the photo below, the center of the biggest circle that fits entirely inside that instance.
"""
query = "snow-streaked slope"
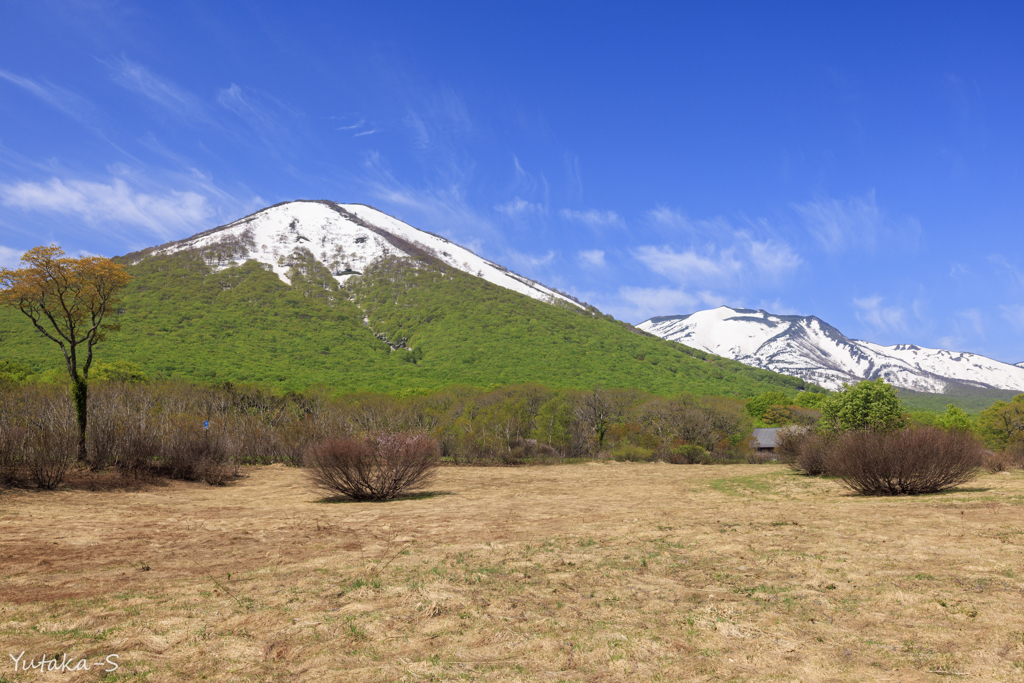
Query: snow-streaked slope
(813, 350)
(344, 237)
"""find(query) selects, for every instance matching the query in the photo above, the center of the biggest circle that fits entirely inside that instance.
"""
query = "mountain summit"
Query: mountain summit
(346, 297)
(811, 349)
(346, 238)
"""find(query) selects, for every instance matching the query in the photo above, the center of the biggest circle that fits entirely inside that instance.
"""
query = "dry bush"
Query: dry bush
(907, 462)
(50, 453)
(375, 467)
(529, 452)
(1016, 453)
(787, 443)
(997, 461)
(122, 428)
(41, 434)
(812, 453)
(627, 452)
(12, 452)
(756, 457)
(192, 453)
(688, 454)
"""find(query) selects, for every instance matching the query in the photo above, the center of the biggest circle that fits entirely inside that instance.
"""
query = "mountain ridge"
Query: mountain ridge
(810, 348)
(287, 297)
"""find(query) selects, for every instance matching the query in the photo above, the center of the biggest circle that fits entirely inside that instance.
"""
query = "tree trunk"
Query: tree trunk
(80, 394)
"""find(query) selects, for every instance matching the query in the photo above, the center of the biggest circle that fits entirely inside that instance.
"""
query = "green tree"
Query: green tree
(67, 301)
(869, 405)
(955, 419)
(1003, 423)
(809, 399)
(758, 406)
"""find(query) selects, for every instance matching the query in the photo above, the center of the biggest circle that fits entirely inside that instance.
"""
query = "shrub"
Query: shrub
(195, 454)
(787, 443)
(50, 454)
(997, 461)
(629, 453)
(12, 450)
(379, 466)
(529, 451)
(813, 455)
(688, 454)
(909, 462)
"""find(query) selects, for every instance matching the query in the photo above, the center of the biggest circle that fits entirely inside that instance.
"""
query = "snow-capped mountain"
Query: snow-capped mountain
(346, 238)
(813, 350)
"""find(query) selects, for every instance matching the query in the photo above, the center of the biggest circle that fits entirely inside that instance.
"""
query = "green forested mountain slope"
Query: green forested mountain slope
(441, 326)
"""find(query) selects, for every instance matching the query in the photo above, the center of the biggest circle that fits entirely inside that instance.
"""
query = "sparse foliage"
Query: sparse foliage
(68, 301)
(378, 466)
(906, 462)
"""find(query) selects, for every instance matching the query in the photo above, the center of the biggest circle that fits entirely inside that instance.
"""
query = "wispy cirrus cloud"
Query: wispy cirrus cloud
(441, 207)
(10, 258)
(265, 115)
(642, 303)
(1013, 314)
(719, 253)
(871, 311)
(593, 217)
(855, 223)
(139, 79)
(439, 120)
(1015, 274)
(689, 265)
(529, 261)
(592, 257)
(64, 100)
(520, 207)
(115, 201)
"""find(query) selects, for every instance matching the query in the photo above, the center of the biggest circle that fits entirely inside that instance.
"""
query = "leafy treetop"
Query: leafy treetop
(869, 405)
(66, 299)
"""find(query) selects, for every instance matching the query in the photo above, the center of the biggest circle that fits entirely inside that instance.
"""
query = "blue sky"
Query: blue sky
(856, 161)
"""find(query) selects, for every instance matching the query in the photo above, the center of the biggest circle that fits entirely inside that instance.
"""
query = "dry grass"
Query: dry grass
(611, 571)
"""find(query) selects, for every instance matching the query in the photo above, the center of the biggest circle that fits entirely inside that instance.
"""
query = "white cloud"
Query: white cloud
(523, 260)
(593, 257)
(778, 307)
(593, 217)
(138, 78)
(98, 202)
(772, 258)
(973, 318)
(443, 208)
(689, 266)
(641, 303)
(854, 223)
(66, 101)
(10, 258)
(439, 121)
(727, 252)
(518, 207)
(1015, 273)
(871, 312)
(365, 132)
(1014, 314)
(353, 126)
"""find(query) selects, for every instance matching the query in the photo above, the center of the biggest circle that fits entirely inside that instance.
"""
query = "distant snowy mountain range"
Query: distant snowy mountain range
(346, 238)
(809, 348)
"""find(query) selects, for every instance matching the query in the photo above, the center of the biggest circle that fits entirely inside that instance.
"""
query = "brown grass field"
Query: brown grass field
(592, 572)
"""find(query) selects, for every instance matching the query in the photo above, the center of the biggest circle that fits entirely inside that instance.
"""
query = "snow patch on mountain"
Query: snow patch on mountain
(346, 238)
(811, 349)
